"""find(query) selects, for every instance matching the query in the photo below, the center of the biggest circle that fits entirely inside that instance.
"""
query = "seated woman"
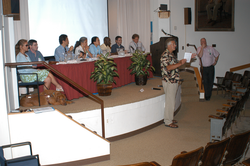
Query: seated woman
(105, 47)
(94, 47)
(43, 75)
(81, 48)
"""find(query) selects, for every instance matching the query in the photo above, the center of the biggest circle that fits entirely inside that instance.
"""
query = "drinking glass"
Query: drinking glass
(61, 58)
(139, 48)
(121, 51)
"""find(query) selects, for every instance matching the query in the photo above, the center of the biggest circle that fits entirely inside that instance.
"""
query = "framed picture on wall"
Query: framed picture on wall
(214, 15)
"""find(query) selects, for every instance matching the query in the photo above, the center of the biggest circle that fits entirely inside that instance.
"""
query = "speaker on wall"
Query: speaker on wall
(164, 7)
(14, 6)
(187, 16)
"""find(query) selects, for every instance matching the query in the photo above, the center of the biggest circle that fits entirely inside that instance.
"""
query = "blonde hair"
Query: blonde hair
(19, 43)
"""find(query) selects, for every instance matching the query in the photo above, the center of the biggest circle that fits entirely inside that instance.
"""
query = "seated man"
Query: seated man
(94, 47)
(118, 44)
(136, 44)
(33, 52)
(63, 48)
(105, 47)
(215, 4)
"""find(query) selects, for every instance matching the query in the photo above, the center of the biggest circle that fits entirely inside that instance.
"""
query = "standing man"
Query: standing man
(118, 44)
(33, 52)
(209, 57)
(63, 48)
(170, 80)
(136, 44)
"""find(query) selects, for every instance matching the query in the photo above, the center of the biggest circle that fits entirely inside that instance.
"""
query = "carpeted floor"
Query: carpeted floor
(161, 144)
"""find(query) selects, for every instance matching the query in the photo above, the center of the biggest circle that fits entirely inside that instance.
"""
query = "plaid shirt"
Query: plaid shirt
(172, 76)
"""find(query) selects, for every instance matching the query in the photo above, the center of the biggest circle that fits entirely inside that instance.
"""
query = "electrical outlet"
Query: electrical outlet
(182, 47)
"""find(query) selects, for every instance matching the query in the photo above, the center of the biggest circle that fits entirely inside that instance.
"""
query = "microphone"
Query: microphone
(132, 48)
(167, 33)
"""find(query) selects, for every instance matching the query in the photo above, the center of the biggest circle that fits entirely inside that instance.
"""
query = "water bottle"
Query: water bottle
(87, 54)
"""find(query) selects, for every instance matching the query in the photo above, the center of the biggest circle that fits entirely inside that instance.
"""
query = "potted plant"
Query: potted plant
(104, 74)
(140, 67)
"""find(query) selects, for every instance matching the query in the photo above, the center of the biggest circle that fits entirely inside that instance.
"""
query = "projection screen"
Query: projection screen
(48, 19)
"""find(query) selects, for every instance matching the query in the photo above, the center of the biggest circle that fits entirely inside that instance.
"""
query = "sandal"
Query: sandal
(171, 125)
(174, 121)
(60, 89)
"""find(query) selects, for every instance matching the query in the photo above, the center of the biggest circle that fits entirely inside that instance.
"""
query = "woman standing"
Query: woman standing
(81, 48)
(43, 75)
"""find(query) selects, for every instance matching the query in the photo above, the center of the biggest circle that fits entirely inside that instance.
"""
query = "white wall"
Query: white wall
(55, 137)
(232, 45)
(4, 123)
(159, 23)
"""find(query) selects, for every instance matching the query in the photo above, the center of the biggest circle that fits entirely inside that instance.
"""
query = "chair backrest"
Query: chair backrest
(214, 153)
(228, 76)
(245, 82)
(229, 119)
(247, 74)
(237, 147)
(236, 77)
(2, 159)
(188, 159)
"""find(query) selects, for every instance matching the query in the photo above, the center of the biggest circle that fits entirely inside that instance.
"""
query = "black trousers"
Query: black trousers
(208, 80)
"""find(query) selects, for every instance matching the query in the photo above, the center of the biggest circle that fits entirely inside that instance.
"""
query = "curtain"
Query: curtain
(134, 17)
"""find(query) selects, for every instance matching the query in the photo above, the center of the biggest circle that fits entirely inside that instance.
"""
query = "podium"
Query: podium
(156, 50)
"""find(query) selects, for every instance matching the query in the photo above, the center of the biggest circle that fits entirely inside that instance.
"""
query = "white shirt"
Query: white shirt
(133, 46)
(77, 50)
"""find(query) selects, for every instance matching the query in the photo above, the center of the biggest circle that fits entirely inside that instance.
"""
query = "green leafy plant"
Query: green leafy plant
(140, 64)
(104, 71)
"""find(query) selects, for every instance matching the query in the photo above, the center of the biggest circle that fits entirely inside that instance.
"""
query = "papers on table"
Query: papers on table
(44, 109)
(187, 56)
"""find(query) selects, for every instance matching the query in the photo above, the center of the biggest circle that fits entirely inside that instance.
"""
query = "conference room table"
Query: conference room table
(80, 73)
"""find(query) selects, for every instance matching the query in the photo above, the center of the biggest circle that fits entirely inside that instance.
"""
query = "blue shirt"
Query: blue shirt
(24, 68)
(34, 57)
(114, 48)
(95, 50)
(60, 51)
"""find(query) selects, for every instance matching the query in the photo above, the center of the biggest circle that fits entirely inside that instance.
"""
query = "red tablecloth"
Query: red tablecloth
(80, 73)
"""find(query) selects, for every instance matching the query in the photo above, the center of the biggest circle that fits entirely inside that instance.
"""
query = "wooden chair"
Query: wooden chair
(247, 74)
(152, 163)
(223, 82)
(237, 147)
(246, 162)
(28, 84)
(214, 153)
(236, 80)
(191, 158)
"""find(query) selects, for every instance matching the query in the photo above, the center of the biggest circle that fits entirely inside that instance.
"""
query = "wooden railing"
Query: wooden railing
(198, 76)
(199, 79)
(95, 98)
(240, 67)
